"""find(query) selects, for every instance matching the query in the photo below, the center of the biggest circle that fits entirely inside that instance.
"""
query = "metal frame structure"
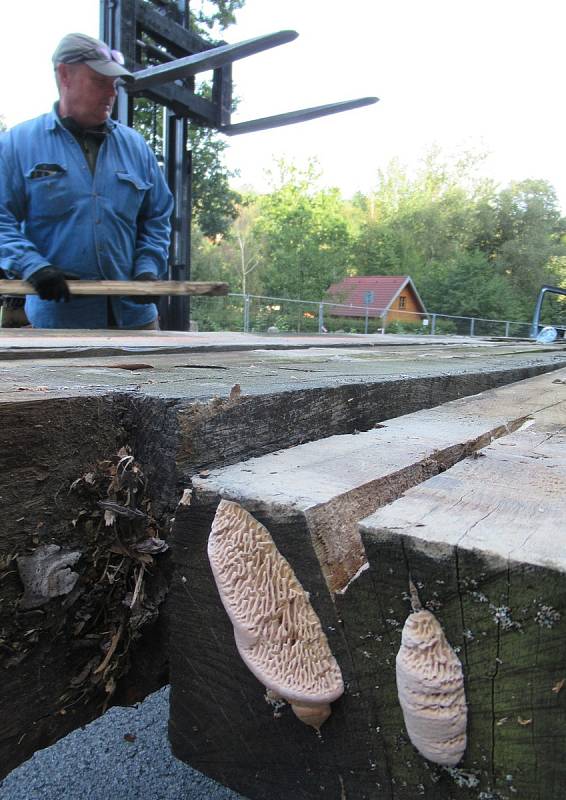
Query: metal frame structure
(538, 307)
(164, 56)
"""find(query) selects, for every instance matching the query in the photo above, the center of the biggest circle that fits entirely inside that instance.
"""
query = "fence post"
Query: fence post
(366, 324)
(246, 313)
(433, 325)
(320, 317)
(506, 329)
(472, 326)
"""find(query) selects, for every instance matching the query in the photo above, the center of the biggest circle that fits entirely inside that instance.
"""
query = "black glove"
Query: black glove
(50, 284)
(144, 299)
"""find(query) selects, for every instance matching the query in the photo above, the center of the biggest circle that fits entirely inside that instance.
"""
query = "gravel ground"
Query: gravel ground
(98, 763)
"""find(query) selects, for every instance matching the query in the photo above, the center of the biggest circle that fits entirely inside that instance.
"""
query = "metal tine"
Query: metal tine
(291, 117)
(209, 59)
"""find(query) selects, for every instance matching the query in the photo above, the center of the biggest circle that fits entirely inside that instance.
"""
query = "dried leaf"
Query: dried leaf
(556, 689)
(84, 673)
(122, 511)
(151, 545)
(130, 737)
(522, 721)
(502, 721)
(113, 645)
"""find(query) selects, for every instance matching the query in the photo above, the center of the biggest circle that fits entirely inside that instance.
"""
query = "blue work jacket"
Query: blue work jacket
(113, 225)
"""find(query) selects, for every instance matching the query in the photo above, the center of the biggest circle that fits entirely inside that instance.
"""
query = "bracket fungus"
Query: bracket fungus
(46, 574)
(430, 685)
(277, 632)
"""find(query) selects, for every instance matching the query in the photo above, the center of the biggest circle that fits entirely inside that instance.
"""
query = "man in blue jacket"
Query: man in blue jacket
(83, 196)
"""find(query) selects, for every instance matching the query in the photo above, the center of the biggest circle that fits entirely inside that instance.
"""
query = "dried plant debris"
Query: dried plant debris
(277, 632)
(102, 604)
(430, 685)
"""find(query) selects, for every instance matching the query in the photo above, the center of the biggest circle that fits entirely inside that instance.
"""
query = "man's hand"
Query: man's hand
(50, 284)
(143, 299)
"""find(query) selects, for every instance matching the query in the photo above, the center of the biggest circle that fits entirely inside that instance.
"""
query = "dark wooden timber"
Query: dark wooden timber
(497, 612)
(488, 555)
(61, 416)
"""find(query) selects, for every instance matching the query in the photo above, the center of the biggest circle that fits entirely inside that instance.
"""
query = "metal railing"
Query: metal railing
(535, 326)
(260, 313)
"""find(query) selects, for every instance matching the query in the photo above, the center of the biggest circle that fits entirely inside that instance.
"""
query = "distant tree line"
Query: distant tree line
(472, 248)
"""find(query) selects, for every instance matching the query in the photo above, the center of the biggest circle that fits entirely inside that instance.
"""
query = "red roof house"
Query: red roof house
(387, 296)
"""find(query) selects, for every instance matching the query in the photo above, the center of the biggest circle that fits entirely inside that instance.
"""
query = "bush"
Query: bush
(352, 324)
(446, 326)
(413, 328)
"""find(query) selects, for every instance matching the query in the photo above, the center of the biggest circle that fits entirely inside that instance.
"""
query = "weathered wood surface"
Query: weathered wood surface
(126, 288)
(310, 499)
(486, 543)
(58, 417)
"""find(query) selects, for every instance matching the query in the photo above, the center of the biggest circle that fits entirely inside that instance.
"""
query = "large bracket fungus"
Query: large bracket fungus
(277, 632)
(430, 684)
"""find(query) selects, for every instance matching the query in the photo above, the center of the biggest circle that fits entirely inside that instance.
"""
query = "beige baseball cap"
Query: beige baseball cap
(78, 48)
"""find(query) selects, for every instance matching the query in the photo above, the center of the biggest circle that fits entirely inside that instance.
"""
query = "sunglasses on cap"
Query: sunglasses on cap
(98, 53)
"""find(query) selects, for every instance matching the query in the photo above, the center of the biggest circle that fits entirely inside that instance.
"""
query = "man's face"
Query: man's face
(86, 96)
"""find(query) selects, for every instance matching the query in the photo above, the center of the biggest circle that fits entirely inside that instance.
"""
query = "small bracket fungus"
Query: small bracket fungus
(430, 685)
(46, 574)
(277, 632)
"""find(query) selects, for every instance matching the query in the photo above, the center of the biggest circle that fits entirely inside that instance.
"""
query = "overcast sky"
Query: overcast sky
(486, 74)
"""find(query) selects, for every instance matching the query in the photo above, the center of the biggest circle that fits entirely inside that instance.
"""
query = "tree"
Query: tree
(214, 202)
(471, 249)
(204, 15)
(528, 241)
(248, 245)
(307, 238)
(221, 14)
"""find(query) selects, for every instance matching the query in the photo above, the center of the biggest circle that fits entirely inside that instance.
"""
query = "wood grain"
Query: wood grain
(125, 288)
(307, 496)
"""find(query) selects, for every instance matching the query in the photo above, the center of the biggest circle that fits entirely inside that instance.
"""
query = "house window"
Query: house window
(402, 301)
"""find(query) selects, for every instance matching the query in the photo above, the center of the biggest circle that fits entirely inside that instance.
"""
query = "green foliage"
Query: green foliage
(219, 13)
(413, 328)
(473, 250)
(204, 15)
(214, 202)
(306, 237)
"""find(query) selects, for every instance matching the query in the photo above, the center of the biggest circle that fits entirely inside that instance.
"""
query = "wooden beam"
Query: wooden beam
(125, 288)
(310, 498)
